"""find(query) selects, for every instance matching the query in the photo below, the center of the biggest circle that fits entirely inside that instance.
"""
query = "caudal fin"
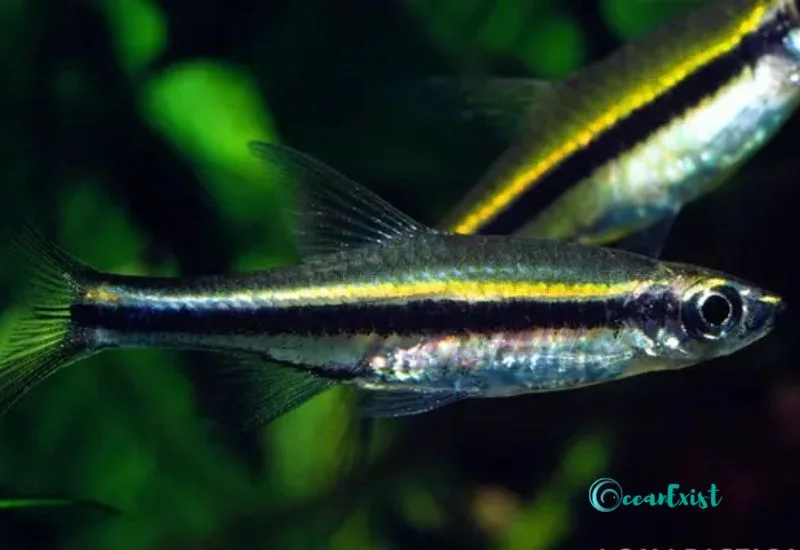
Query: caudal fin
(42, 341)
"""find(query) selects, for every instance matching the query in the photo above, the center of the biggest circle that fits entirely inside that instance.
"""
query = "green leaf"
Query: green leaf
(630, 18)
(139, 31)
(528, 31)
(545, 522)
(17, 503)
(210, 111)
(555, 46)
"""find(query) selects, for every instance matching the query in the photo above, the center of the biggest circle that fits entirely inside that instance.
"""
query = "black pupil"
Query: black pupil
(716, 309)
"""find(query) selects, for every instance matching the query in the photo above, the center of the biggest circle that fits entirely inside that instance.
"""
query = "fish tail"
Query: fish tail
(44, 339)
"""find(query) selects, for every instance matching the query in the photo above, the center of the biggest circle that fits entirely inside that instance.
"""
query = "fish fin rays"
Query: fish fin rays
(332, 212)
(394, 403)
(504, 103)
(42, 341)
(237, 396)
(250, 392)
(651, 240)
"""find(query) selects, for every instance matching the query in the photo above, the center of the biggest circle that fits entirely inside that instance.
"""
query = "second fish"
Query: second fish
(623, 145)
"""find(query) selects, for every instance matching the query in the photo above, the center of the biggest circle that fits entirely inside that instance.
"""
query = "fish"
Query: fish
(613, 153)
(413, 317)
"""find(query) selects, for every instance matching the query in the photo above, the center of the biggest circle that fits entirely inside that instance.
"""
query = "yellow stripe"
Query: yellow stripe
(639, 97)
(101, 294)
(473, 291)
(770, 299)
(468, 291)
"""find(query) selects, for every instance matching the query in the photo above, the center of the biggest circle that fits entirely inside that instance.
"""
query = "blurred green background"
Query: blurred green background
(119, 113)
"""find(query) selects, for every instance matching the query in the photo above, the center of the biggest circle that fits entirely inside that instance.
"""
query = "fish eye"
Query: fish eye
(715, 310)
(710, 313)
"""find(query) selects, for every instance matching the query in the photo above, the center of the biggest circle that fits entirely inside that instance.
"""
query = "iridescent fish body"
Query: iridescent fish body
(415, 317)
(623, 145)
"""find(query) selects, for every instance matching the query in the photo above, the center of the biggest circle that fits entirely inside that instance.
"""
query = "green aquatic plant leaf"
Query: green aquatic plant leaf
(554, 46)
(630, 18)
(544, 522)
(139, 31)
(210, 111)
(535, 35)
(54, 502)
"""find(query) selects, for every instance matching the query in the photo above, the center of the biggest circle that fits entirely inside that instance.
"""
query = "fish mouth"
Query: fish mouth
(765, 312)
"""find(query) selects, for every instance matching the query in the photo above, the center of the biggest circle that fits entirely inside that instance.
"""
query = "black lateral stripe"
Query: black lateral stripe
(423, 317)
(635, 128)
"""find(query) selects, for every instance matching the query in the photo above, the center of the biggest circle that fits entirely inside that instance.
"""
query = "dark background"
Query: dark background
(119, 114)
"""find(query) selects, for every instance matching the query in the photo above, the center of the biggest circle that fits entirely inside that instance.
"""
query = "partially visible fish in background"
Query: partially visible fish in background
(414, 317)
(612, 154)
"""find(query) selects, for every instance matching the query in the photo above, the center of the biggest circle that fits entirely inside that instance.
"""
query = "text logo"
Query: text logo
(606, 495)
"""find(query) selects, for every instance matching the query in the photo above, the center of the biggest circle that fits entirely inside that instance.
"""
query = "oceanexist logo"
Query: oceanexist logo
(606, 495)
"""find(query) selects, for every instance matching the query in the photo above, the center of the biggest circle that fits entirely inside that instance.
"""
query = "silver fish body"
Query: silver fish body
(485, 316)
(414, 317)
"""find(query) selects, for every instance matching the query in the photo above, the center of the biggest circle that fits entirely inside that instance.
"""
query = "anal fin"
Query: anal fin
(250, 392)
(394, 403)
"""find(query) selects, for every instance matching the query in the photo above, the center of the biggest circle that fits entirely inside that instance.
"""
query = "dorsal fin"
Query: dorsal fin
(332, 212)
(506, 103)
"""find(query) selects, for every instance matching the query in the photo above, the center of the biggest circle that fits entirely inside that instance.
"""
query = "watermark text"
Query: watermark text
(606, 495)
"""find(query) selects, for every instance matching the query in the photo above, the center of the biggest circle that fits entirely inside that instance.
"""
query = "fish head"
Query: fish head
(703, 314)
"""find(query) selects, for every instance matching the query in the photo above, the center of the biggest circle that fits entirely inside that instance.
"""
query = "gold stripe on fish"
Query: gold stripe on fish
(101, 294)
(467, 291)
(470, 291)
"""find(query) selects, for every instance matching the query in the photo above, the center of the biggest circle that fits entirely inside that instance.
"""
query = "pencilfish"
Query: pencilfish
(413, 317)
(618, 149)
